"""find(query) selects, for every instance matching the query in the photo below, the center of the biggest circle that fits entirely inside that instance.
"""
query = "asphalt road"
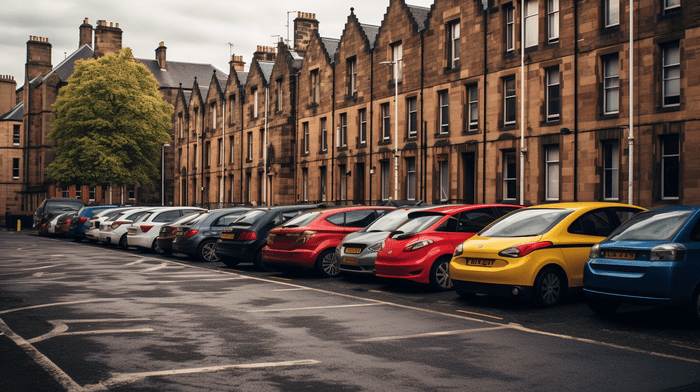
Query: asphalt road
(83, 317)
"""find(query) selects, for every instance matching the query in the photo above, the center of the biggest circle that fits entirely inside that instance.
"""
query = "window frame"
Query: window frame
(15, 168)
(397, 59)
(385, 180)
(552, 172)
(675, 68)
(553, 21)
(362, 119)
(510, 28)
(410, 178)
(444, 112)
(509, 178)
(671, 7)
(386, 121)
(412, 117)
(315, 86)
(551, 90)
(531, 16)
(612, 78)
(506, 101)
(324, 134)
(473, 108)
(444, 181)
(352, 76)
(343, 130)
(674, 158)
(16, 135)
(453, 30)
(611, 19)
(305, 130)
(611, 169)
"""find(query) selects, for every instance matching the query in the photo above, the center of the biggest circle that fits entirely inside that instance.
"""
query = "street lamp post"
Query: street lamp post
(396, 125)
(162, 173)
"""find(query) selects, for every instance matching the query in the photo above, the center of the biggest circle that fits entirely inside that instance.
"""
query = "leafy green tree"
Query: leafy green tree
(109, 124)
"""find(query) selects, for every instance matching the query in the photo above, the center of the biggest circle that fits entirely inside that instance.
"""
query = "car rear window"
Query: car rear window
(302, 220)
(227, 219)
(651, 226)
(388, 222)
(359, 218)
(526, 223)
(167, 216)
(417, 224)
(249, 217)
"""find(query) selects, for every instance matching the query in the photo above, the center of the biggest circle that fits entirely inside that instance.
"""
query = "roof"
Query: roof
(242, 78)
(266, 68)
(179, 72)
(420, 15)
(65, 68)
(15, 114)
(371, 32)
(331, 46)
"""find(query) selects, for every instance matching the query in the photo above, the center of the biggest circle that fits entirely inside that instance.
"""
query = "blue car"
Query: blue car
(82, 223)
(651, 259)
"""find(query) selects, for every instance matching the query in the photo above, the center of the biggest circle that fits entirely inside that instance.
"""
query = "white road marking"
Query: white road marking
(310, 308)
(159, 267)
(191, 280)
(139, 261)
(61, 326)
(87, 301)
(432, 334)
(59, 375)
(127, 378)
(296, 289)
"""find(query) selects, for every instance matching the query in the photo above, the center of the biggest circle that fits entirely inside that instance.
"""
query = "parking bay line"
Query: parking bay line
(312, 308)
(127, 378)
(61, 326)
(432, 334)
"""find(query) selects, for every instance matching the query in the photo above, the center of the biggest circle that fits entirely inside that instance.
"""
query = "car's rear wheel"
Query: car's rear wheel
(155, 248)
(230, 262)
(603, 307)
(259, 263)
(548, 288)
(207, 251)
(440, 274)
(694, 306)
(123, 242)
(327, 264)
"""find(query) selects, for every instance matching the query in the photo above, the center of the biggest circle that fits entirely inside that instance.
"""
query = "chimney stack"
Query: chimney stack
(85, 34)
(160, 55)
(8, 88)
(38, 57)
(108, 38)
(264, 53)
(237, 64)
(305, 25)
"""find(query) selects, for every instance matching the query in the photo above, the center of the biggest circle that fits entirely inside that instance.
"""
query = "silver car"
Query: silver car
(358, 251)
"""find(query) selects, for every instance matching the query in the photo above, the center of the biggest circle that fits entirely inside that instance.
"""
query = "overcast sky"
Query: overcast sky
(193, 31)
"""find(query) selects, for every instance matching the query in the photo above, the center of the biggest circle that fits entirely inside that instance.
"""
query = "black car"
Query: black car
(167, 232)
(244, 239)
(49, 208)
(197, 237)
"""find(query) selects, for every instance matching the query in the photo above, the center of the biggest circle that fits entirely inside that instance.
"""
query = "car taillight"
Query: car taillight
(668, 252)
(305, 237)
(190, 233)
(43, 227)
(145, 228)
(82, 220)
(524, 249)
(417, 245)
(247, 236)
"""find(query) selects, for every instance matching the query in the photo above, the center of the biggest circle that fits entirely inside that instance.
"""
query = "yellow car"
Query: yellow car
(535, 253)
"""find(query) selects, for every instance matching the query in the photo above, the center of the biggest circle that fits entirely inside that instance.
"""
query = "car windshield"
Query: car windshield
(526, 223)
(64, 204)
(387, 222)
(249, 218)
(417, 224)
(303, 219)
(191, 218)
(651, 226)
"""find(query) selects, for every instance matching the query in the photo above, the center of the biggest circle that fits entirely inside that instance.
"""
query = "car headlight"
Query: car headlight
(668, 252)
(595, 252)
(458, 250)
(376, 247)
(417, 245)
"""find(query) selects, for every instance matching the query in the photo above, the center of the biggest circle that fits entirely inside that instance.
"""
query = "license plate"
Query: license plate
(227, 236)
(620, 255)
(480, 262)
(354, 251)
(349, 260)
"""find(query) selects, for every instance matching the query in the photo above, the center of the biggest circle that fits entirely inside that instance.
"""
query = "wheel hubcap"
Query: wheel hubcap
(550, 288)
(442, 275)
(209, 252)
(330, 265)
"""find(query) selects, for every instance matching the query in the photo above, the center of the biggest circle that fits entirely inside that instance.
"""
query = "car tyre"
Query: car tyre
(259, 263)
(440, 275)
(548, 288)
(229, 262)
(155, 248)
(123, 242)
(207, 251)
(327, 264)
(694, 306)
(603, 307)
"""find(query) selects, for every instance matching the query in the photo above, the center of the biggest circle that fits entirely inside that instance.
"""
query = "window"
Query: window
(612, 13)
(232, 104)
(195, 157)
(397, 58)
(207, 154)
(444, 100)
(250, 146)
(230, 143)
(15, 135)
(79, 191)
(553, 20)
(305, 184)
(611, 170)
(385, 179)
(670, 165)
(323, 183)
(352, 76)
(315, 87)
(411, 178)
(509, 100)
(221, 152)
(305, 126)
(91, 193)
(551, 158)
(248, 186)
(343, 194)
(386, 122)
(324, 135)
(66, 193)
(213, 116)
(531, 23)
(510, 28)
(262, 143)
(671, 75)
(552, 80)
(444, 176)
(131, 193)
(343, 130)
(279, 95)
(412, 123)
(260, 187)
(671, 4)
(509, 176)
(453, 35)
(473, 108)
(180, 128)
(15, 168)
(611, 84)
(255, 103)
(362, 114)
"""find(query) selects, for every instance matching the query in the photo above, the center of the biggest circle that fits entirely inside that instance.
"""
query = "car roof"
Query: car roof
(584, 205)
(455, 208)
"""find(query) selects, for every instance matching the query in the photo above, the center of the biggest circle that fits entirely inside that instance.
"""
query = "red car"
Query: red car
(420, 250)
(309, 240)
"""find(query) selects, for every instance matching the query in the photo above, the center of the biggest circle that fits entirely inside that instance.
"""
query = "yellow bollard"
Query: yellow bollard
(19, 225)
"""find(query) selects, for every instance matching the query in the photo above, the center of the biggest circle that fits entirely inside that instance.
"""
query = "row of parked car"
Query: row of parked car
(614, 252)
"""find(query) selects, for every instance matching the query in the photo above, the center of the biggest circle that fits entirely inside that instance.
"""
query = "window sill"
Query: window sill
(668, 109)
(384, 142)
(610, 116)
(442, 135)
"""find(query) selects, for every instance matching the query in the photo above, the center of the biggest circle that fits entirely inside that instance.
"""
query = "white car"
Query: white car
(92, 234)
(142, 233)
(51, 225)
(114, 231)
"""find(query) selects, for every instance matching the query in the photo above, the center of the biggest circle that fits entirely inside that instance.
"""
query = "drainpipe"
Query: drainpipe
(576, 33)
(630, 138)
(485, 100)
(371, 122)
(264, 184)
(223, 153)
(522, 103)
